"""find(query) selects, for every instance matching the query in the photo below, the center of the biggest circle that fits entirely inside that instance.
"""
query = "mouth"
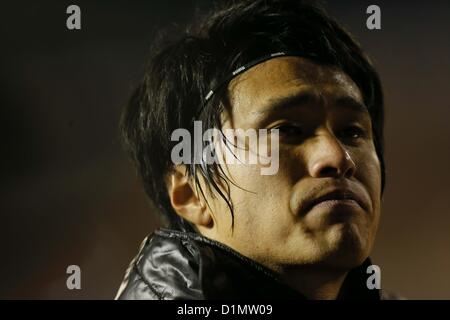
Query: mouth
(338, 197)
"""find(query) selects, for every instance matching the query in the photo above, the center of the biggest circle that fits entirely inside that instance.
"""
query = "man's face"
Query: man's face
(322, 206)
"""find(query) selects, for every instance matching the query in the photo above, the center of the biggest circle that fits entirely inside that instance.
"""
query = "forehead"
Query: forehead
(252, 91)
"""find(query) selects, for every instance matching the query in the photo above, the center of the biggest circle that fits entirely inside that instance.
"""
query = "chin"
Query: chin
(348, 246)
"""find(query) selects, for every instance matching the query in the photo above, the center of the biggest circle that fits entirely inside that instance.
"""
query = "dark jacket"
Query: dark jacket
(181, 265)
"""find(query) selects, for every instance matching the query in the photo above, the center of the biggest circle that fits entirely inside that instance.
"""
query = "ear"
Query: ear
(185, 200)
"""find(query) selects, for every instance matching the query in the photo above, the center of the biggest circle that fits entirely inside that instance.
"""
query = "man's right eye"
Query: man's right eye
(289, 130)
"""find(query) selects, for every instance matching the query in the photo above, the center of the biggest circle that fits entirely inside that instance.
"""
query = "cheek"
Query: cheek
(260, 201)
(369, 174)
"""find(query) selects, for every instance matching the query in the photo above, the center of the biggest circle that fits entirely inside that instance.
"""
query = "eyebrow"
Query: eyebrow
(280, 104)
(307, 97)
(351, 103)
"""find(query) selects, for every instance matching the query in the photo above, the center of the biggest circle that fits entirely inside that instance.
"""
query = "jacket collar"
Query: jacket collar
(184, 265)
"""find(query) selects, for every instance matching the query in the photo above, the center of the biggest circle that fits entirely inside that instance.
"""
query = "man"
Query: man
(305, 231)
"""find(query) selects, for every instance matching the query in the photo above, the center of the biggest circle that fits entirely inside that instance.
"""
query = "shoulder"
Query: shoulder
(166, 262)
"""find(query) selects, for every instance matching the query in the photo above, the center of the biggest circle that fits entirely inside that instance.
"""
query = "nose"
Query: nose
(329, 158)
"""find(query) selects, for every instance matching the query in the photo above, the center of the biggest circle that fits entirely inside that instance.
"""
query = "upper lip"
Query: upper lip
(335, 194)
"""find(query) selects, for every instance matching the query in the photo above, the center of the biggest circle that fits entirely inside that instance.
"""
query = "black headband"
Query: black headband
(239, 71)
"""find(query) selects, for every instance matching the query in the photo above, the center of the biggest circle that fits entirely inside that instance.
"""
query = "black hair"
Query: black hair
(180, 73)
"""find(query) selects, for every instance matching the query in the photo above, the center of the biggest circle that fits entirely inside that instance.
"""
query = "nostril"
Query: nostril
(350, 171)
(328, 172)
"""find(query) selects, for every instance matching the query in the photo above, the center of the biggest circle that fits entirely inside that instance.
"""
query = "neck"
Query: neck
(314, 282)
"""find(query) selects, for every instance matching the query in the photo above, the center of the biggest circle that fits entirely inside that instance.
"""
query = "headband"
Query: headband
(240, 70)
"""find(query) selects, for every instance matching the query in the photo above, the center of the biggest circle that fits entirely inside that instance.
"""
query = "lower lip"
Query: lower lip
(336, 204)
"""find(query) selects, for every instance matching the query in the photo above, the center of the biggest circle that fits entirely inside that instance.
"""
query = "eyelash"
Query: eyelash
(296, 127)
(356, 132)
(351, 132)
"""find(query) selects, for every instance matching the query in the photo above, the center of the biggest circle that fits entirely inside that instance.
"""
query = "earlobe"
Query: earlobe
(185, 200)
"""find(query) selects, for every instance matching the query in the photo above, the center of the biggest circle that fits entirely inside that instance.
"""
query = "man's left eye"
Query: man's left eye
(352, 132)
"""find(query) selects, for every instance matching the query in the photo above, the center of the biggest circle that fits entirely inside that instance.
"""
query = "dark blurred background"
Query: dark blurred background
(70, 196)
